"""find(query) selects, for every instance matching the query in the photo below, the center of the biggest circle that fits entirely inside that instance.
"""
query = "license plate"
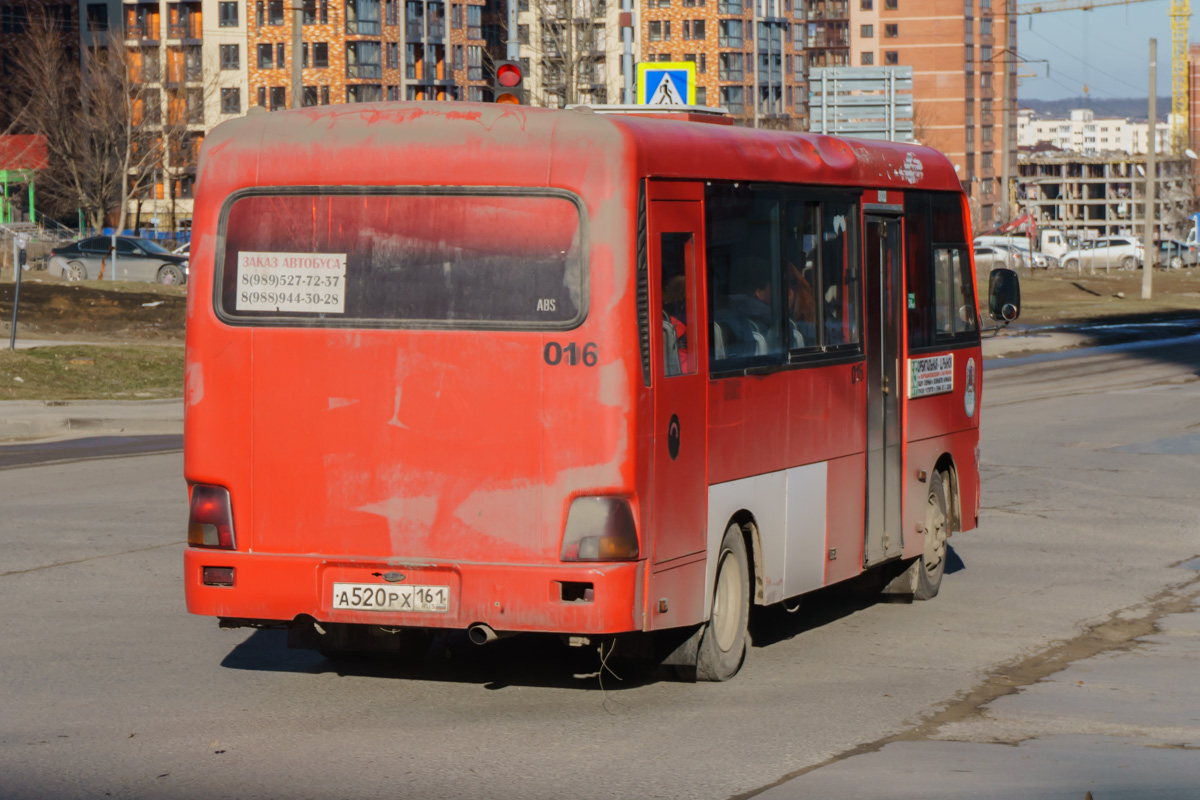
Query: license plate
(377, 597)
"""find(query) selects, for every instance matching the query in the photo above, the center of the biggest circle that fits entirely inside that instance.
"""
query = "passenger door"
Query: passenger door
(882, 247)
(675, 240)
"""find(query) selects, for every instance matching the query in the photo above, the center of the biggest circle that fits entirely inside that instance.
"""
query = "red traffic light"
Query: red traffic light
(508, 75)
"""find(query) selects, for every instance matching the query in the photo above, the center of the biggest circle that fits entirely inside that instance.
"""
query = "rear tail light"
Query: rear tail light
(599, 529)
(210, 520)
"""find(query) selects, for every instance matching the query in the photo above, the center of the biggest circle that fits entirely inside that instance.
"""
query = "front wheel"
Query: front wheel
(931, 566)
(1071, 264)
(723, 643)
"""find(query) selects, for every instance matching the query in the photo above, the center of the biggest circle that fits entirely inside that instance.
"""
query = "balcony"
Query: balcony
(142, 30)
(730, 74)
(184, 30)
(357, 72)
(363, 27)
(437, 29)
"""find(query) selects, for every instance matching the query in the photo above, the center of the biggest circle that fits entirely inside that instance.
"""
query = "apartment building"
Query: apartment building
(1082, 132)
(357, 51)
(961, 54)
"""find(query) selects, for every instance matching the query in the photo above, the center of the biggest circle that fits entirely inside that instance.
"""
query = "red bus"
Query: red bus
(618, 377)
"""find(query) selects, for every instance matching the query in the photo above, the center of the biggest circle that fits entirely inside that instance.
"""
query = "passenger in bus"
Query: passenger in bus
(675, 313)
(745, 317)
(802, 307)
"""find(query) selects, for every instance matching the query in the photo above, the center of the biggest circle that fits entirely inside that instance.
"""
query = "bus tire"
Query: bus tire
(724, 642)
(931, 566)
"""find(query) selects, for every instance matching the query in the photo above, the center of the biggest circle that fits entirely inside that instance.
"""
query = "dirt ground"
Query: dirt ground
(1057, 297)
(94, 311)
(100, 311)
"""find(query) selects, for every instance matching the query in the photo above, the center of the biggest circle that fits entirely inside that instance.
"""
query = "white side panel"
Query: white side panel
(807, 489)
(764, 497)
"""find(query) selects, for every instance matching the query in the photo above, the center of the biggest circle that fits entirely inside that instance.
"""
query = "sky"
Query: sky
(1107, 48)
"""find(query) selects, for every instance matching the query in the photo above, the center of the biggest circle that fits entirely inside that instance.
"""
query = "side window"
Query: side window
(94, 245)
(940, 295)
(676, 255)
(125, 248)
(744, 282)
(840, 271)
(784, 275)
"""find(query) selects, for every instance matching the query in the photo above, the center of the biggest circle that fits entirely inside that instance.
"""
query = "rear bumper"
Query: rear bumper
(508, 597)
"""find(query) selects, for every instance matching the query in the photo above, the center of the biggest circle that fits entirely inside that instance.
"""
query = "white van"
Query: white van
(1021, 245)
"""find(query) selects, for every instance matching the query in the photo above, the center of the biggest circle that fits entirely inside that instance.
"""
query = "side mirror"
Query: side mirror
(1004, 295)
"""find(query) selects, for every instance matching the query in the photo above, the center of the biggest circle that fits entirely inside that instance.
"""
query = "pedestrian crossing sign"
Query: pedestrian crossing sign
(666, 84)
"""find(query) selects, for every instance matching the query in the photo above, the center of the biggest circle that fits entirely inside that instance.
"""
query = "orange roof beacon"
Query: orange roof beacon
(614, 376)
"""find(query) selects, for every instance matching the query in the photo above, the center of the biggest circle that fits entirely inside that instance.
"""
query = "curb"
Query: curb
(25, 419)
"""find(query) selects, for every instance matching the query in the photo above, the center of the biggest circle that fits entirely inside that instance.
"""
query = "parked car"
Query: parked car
(1021, 245)
(993, 256)
(1106, 252)
(183, 249)
(1175, 254)
(137, 260)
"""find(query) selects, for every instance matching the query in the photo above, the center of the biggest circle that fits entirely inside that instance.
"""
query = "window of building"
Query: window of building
(866, 31)
(729, 6)
(389, 15)
(260, 13)
(320, 55)
(475, 63)
(866, 5)
(364, 93)
(867, 59)
(459, 58)
(663, 58)
(364, 60)
(279, 55)
(985, 52)
(266, 56)
(456, 16)
(97, 17)
(324, 95)
(730, 66)
(891, 31)
(274, 12)
(701, 96)
(474, 22)
(231, 100)
(891, 57)
(985, 161)
(891, 5)
(660, 30)
(523, 34)
(733, 98)
(228, 14)
(230, 56)
(985, 80)
(278, 98)
(729, 33)
(985, 26)
(262, 97)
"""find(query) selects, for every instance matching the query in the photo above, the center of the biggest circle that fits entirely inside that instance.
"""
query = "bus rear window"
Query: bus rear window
(420, 259)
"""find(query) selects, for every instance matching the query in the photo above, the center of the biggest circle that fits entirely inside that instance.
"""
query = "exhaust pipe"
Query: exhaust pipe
(482, 633)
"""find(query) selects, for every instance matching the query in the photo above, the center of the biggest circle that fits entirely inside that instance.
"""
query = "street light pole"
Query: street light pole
(1151, 169)
(297, 53)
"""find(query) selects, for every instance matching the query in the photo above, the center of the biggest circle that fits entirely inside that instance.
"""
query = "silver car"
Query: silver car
(137, 260)
(990, 257)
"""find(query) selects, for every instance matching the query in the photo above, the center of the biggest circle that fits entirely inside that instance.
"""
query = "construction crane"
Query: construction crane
(1179, 12)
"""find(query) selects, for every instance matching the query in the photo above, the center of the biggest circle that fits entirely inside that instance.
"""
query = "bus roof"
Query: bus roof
(487, 144)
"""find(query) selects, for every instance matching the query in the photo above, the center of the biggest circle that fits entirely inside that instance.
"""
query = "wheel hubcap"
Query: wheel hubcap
(727, 605)
(935, 534)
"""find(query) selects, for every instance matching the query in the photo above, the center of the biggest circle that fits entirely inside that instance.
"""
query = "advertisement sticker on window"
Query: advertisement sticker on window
(299, 282)
(928, 376)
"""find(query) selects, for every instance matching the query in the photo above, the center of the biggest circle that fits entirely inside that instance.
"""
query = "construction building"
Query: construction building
(1103, 195)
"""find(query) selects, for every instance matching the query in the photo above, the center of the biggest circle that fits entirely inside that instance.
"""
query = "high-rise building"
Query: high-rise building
(961, 55)
(749, 54)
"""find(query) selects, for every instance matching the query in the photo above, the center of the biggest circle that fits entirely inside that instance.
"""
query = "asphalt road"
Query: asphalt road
(109, 688)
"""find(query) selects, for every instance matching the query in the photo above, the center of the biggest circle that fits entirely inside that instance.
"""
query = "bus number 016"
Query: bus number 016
(555, 352)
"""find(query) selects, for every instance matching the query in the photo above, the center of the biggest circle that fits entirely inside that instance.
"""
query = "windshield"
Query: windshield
(450, 259)
(151, 247)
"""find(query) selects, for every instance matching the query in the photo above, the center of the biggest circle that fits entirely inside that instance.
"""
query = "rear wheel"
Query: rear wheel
(170, 275)
(75, 272)
(1129, 262)
(1176, 262)
(931, 566)
(1071, 264)
(723, 643)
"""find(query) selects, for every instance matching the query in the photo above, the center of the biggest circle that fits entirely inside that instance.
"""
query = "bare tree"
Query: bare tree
(92, 115)
(566, 42)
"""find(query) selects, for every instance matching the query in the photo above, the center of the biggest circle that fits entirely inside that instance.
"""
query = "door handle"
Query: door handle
(886, 385)
(856, 373)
